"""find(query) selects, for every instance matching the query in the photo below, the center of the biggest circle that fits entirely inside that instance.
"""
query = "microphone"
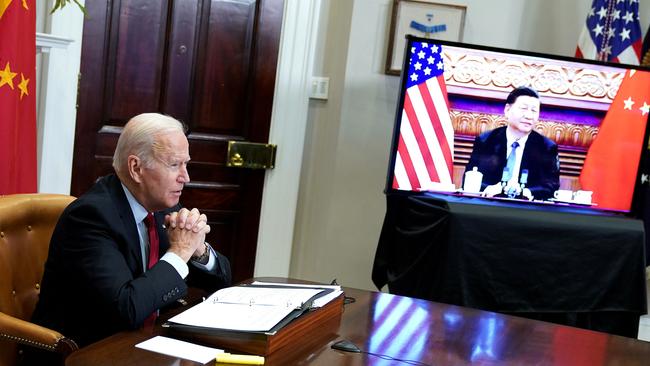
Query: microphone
(522, 183)
(524, 177)
(505, 176)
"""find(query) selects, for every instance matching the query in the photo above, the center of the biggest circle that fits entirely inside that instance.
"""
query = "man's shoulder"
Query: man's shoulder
(493, 134)
(538, 138)
(101, 195)
(97, 208)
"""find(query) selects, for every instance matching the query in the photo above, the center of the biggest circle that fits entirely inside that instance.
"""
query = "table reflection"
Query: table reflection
(403, 329)
(484, 343)
(400, 329)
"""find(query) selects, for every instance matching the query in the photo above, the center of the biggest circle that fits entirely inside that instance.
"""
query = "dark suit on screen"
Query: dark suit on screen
(94, 284)
(540, 157)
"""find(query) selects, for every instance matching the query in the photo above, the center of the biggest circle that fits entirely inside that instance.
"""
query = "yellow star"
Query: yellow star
(3, 6)
(25, 5)
(23, 86)
(6, 76)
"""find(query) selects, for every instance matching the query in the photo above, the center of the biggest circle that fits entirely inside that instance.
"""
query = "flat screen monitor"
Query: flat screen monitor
(579, 127)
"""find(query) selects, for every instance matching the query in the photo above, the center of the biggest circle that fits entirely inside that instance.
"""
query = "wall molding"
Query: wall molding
(45, 42)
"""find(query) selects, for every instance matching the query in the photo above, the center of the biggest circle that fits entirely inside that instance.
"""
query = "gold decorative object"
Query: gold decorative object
(244, 154)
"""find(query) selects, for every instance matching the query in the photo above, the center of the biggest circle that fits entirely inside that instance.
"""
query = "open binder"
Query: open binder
(229, 318)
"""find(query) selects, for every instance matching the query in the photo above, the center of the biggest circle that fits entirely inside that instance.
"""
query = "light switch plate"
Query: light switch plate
(319, 87)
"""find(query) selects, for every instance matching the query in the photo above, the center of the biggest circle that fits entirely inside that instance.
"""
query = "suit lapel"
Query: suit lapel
(501, 150)
(128, 221)
(531, 145)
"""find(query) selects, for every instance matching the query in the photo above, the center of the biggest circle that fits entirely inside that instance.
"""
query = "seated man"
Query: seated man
(535, 162)
(120, 251)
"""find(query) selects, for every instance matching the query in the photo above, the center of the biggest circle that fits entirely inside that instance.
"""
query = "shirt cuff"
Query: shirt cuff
(177, 262)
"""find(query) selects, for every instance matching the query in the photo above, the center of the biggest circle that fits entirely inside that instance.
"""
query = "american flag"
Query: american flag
(425, 149)
(612, 32)
(645, 53)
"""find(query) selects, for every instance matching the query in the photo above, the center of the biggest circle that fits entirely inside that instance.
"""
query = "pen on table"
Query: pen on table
(240, 359)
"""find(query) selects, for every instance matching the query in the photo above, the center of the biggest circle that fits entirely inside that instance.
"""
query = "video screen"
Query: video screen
(512, 125)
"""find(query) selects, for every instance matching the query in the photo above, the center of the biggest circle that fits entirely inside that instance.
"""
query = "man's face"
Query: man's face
(163, 181)
(523, 114)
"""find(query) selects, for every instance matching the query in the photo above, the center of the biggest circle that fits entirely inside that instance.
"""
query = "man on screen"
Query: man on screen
(515, 160)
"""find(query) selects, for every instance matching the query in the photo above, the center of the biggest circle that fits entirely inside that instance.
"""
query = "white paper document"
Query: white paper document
(319, 302)
(245, 308)
(180, 349)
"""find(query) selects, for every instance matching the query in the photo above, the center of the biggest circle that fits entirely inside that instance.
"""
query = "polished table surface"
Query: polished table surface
(412, 329)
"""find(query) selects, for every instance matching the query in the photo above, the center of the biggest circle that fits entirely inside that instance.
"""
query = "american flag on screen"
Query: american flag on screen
(612, 32)
(425, 148)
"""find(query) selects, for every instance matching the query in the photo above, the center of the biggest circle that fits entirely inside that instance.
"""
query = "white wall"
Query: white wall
(341, 202)
(57, 72)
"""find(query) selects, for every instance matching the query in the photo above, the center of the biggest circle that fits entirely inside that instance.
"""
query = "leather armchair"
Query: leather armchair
(26, 225)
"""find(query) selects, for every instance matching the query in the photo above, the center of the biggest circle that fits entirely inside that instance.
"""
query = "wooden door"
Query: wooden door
(210, 64)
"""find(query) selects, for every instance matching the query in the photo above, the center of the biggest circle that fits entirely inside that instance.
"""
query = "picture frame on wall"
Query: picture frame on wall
(423, 19)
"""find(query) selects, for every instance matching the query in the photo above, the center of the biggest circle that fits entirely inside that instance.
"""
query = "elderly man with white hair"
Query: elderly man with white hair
(120, 252)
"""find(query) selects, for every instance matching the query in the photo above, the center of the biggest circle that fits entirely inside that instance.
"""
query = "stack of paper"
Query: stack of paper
(254, 308)
(318, 302)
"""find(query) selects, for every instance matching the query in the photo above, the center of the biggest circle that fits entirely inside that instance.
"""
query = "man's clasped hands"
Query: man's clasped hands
(186, 230)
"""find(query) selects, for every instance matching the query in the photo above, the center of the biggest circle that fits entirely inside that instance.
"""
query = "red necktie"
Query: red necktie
(154, 245)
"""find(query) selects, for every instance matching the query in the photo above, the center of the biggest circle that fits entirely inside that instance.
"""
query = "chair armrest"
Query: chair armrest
(30, 334)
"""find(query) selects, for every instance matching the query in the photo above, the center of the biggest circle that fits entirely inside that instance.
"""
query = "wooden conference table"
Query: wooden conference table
(412, 329)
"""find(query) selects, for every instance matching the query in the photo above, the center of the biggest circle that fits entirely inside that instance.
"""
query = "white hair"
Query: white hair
(139, 138)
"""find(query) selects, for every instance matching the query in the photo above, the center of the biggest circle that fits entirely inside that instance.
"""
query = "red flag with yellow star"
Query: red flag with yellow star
(610, 167)
(17, 96)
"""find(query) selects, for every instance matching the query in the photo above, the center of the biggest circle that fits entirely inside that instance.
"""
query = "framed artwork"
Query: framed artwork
(423, 19)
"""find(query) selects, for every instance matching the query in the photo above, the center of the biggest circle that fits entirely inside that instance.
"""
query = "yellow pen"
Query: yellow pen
(240, 359)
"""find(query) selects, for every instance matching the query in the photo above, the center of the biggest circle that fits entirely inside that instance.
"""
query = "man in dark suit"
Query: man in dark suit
(534, 161)
(102, 274)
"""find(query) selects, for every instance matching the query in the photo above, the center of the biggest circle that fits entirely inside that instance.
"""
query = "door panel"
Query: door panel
(210, 64)
(137, 46)
(222, 87)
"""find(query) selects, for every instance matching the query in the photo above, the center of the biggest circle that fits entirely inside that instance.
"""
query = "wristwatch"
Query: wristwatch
(203, 258)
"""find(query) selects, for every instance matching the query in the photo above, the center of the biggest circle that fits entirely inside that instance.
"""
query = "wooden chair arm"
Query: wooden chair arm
(30, 334)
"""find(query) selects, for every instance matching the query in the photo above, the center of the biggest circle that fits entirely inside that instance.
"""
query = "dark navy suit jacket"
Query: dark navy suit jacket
(540, 157)
(94, 284)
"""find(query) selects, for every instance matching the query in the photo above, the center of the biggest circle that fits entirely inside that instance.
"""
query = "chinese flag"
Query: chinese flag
(612, 160)
(17, 96)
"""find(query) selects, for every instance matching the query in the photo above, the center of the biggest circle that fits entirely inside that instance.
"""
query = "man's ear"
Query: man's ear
(135, 167)
(506, 109)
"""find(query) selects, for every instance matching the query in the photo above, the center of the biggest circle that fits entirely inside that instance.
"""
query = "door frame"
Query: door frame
(298, 40)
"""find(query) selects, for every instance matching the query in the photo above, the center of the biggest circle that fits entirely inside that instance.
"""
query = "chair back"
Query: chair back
(26, 225)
